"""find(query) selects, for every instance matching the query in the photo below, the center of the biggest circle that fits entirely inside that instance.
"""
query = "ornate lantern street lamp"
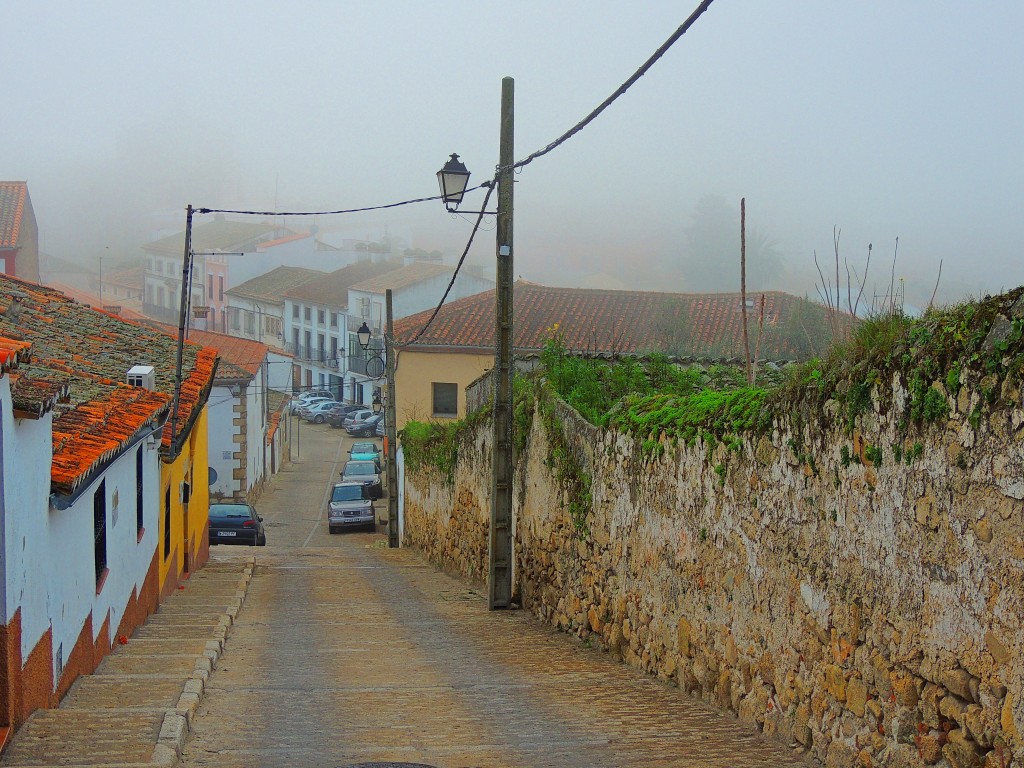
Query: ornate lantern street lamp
(452, 179)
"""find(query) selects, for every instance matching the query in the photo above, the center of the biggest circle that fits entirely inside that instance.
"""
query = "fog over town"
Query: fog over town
(886, 120)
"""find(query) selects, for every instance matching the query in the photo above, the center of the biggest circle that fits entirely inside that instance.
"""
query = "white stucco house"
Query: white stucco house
(239, 415)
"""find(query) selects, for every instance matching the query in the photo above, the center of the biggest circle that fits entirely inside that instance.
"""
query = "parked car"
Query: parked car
(365, 472)
(337, 416)
(317, 413)
(298, 405)
(367, 427)
(365, 452)
(350, 506)
(357, 416)
(381, 426)
(236, 523)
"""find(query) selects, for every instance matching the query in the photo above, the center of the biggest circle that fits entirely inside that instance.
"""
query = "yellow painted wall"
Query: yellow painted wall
(188, 522)
(417, 371)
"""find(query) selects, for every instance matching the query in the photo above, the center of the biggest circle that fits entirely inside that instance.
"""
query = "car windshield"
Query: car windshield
(223, 511)
(360, 468)
(364, 448)
(347, 493)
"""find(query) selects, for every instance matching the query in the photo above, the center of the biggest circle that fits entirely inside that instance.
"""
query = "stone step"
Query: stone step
(122, 691)
(182, 665)
(157, 647)
(62, 737)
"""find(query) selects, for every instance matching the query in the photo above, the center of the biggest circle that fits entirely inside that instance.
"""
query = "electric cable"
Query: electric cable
(455, 274)
(330, 213)
(682, 30)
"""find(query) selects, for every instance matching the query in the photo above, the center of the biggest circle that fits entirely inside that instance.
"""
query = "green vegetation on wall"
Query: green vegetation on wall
(978, 345)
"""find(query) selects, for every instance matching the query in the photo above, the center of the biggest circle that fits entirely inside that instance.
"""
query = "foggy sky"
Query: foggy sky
(885, 119)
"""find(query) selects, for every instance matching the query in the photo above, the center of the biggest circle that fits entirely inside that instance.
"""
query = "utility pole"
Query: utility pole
(186, 272)
(389, 425)
(499, 547)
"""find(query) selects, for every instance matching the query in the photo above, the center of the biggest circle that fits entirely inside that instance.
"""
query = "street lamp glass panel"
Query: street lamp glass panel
(377, 404)
(364, 336)
(452, 180)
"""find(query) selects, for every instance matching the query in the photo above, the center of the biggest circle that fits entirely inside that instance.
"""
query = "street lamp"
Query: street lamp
(499, 543)
(363, 334)
(378, 404)
(452, 179)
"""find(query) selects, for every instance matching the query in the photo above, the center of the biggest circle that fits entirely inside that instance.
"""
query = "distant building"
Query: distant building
(320, 330)
(212, 242)
(19, 234)
(256, 307)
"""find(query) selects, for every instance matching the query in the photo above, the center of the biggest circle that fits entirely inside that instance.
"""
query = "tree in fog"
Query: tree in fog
(710, 262)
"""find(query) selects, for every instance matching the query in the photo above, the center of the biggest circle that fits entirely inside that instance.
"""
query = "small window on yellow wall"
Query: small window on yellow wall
(446, 399)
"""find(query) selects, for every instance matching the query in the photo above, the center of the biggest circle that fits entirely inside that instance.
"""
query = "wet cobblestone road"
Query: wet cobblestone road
(347, 652)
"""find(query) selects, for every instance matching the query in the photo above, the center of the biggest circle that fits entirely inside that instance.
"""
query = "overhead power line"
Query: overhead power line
(683, 28)
(673, 38)
(330, 213)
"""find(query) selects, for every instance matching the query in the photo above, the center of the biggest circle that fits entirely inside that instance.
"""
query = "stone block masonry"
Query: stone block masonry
(859, 594)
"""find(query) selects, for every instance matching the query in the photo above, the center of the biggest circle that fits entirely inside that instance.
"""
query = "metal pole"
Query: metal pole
(186, 269)
(389, 426)
(499, 550)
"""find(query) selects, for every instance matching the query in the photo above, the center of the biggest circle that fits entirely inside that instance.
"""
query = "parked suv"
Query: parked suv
(367, 473)
(350, 507)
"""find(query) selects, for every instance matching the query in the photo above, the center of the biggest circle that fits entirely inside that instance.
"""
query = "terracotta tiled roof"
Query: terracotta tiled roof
(13, 352)
(13, 195)
(618, 322)
(270, 286)
(332, 289)
(87, 297)
(282, 240)
(34, 397)
(239, 358)
(408, 275)
(217, 235)
(92, 351)
(133, 277)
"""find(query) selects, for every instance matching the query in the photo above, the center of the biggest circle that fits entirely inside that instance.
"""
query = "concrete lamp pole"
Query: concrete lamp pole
(453, 179)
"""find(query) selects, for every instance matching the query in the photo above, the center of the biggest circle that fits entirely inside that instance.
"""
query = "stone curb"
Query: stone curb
(177, 722)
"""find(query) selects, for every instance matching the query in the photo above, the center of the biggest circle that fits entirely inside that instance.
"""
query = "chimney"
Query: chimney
(142, 376)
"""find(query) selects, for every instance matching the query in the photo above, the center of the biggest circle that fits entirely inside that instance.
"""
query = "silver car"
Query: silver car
(350, 507)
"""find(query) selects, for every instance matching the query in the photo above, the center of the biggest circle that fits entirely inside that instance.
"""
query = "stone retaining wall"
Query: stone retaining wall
(870, 611)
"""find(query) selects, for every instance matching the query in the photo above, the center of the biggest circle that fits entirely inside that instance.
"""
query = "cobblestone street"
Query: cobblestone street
(347, 652)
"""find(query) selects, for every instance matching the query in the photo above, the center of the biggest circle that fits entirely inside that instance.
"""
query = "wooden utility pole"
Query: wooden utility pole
(389, 425)
(499, 550)
(186, 273)
(743, 290)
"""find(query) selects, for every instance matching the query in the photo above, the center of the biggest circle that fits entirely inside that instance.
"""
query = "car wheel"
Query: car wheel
(318, 420)
(331, 529)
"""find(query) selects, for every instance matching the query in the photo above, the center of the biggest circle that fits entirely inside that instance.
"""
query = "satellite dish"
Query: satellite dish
(213, 475)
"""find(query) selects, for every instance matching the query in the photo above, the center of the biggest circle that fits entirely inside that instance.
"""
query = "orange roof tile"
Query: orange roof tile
(91, 352)
(87, 297)
(403, 277)
(13, 352)
(13, 195)
(240, 358)
(282, 240)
